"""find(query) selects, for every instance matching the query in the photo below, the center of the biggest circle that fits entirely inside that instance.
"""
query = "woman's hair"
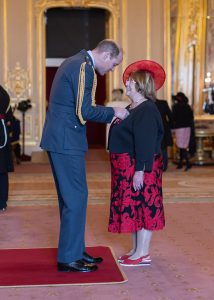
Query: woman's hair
(145, 84)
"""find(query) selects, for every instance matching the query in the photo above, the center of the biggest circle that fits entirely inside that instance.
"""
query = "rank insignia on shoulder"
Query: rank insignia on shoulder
(88, 61)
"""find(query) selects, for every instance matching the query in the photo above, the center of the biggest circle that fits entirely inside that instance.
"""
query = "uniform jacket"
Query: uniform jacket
(64, 130)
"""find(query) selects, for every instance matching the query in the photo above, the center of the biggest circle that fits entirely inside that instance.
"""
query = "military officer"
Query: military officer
(72, 104)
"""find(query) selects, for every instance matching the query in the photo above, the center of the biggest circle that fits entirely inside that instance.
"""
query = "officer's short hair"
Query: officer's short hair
(109, 46)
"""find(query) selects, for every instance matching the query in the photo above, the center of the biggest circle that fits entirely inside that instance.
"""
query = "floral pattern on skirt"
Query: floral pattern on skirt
(132, 210)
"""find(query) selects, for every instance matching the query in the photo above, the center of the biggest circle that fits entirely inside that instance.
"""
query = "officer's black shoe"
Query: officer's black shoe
(3, 209)
(76, 266)
(90, 259)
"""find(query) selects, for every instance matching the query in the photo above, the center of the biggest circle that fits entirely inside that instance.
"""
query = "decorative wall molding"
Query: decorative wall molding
(167, 52)
(111, 5)
(148, 25)
(30, 41)
(190, 50)
(18, 83)
(209, 42)
(5, 44)
(193, 22)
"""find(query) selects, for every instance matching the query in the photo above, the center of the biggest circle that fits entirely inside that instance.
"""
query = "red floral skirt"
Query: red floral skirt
(132, 210)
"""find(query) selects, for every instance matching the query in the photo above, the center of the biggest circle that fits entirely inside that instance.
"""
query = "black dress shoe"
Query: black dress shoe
(76, 266)
(90, 259)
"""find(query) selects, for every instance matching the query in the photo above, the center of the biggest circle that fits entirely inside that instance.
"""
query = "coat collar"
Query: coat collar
(88, 58)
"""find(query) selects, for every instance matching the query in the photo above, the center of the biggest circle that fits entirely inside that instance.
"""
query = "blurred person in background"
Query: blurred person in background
(183, 120)
(166, 115)
(6, 161)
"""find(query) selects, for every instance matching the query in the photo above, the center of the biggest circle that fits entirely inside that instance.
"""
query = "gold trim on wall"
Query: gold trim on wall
(30, 45)
(148, 29)
(167, 52)
(17, 80)
(5, 46)
(40, 7)
(177, 45)
(190, 50)
(201, 58)
(124, 33)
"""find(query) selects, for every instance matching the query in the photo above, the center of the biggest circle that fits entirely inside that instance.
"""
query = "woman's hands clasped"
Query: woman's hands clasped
(138, 180)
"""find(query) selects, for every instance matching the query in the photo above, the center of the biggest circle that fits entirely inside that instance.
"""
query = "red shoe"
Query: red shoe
(121, 258)
(142, 261)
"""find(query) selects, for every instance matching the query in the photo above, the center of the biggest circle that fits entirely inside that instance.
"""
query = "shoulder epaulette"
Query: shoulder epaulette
(81, 88)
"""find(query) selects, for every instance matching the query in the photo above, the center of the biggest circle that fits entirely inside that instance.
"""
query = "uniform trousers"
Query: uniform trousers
(70, 180)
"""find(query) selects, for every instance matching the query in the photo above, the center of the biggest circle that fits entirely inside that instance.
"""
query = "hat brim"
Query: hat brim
(150, 66)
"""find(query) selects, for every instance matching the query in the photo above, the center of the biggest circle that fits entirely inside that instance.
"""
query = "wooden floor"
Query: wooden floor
(182, 254)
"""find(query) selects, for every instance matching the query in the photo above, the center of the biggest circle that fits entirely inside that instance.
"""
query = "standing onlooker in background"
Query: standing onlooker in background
(15, 139)
(6, 162)
(117, 95)
(166, 115)
(183, 121)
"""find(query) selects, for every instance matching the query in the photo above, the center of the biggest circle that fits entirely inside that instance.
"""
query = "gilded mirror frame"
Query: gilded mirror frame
(190, 52)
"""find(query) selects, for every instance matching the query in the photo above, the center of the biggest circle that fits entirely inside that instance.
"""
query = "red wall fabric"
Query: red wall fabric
(50, 73)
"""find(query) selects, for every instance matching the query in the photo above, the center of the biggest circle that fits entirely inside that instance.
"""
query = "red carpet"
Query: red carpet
(37, 267)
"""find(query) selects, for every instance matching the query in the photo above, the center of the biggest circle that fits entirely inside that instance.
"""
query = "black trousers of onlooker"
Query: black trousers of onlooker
(4, 186)
(165, 158)
(17, 152)
(184, 156)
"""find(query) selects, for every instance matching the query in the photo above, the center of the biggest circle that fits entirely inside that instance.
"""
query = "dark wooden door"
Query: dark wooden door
(67, 32)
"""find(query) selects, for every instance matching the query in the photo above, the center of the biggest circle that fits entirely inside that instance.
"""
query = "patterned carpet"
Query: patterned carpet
(32, 184)
(182, 254)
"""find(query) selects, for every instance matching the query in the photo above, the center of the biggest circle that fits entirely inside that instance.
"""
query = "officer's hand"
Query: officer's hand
(120, 112)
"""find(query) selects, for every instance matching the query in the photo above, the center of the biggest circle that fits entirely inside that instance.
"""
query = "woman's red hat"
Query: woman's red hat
(150, 66)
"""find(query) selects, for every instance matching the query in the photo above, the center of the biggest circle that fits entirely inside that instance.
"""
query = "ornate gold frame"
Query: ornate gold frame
(167, 52)
(40, 7)
(5, 48)
(190, 50)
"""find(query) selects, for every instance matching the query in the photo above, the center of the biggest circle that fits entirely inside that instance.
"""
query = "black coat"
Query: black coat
(6, 162)
(140, 135)
(183, 117)
(166, 115)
